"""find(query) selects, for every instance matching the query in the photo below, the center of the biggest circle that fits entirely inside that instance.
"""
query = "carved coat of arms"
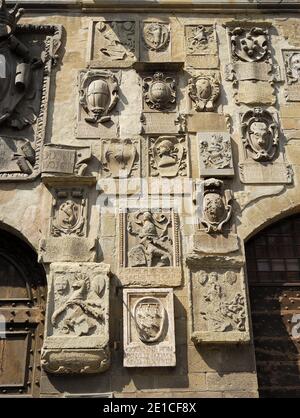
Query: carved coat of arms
(260, 134)
(156, 35)
(204, 91)
(120, 158)
(159, 91)
(149, 316)
(249, 45)
(168, 156)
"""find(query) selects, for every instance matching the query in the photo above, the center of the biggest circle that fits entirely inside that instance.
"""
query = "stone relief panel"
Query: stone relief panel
(204, 90)
(69, 208)
(292, 72)
(149, 334)
(65, 160)
(259, 134)
(98, 97)
(252, 71)
(77, 326)
(120, 158)
(215, 154)
(217, 208)
(28, 53)
(201, 46)
(219, 307)
(68, 238)
(113, 43)
(155, 44)
(159, 91)
(149, 250)
(168, 156)
(264, 160)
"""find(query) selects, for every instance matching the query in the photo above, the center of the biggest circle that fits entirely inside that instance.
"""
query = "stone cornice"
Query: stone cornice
(162, 5)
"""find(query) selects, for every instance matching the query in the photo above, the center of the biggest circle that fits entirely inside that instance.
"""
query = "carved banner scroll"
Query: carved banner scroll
(149, 335)
(77, 327)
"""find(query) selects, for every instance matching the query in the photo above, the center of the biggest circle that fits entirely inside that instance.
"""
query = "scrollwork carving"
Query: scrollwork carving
(217, 208)
(249, 44)
(160, 91)
(98, 94)
(204, 89)
(260, 134)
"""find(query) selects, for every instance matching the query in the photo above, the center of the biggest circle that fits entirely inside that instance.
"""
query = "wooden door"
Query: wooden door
(22, 309)
(273, 264)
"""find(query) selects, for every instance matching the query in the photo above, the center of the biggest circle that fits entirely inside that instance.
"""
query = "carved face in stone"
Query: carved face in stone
(259, 134)
(214, 207)
(167, 153)
(61, 285)
(295, 65)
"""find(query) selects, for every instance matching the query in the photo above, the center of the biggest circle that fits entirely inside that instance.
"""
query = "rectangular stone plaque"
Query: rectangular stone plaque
(156, 123)
(58, 160)
(201, 46)
(205, 121)
(252, 173)
(215, 154)
(67, 249)
(219, 305)
(292, 93)
(260, 71)
(149, 250)
(259, 92)
(113, 43)
(217, 243)
(149, 335)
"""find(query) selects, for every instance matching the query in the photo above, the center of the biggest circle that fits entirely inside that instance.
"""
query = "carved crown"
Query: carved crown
(10, 17)
(212, 185)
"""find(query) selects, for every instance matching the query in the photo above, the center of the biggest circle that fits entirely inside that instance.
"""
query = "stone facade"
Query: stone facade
(140, 152)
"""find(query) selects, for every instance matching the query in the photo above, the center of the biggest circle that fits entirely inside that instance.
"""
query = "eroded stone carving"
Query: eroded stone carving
(249, 44)
(117, 39)
(78, 308)
(98, 95)
(160, 91)
(168, 156)
(149, 251)
(260, 134)
(204, 89)
(60, 159)
(215, 154)
(217, 208)
(28, 53)
(292, 70)
(219, 307)
(120, 157)
(68, 213)
(155, 245)
(156, 36)
(149, 339)
(199, 38)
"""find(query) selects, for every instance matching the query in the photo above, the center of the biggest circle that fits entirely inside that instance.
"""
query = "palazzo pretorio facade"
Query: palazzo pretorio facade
(150, 198)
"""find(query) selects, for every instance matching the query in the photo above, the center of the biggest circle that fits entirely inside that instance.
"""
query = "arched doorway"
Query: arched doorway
(22, 309)
(273, 266)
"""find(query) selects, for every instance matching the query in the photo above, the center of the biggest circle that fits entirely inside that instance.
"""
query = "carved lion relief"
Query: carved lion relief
(98, 95)
(160, 91)
(68, 213)
(204, 89)
(260, 134)
(217, 208)
(156, 36)
(249, 44)
(168, 156)
(120, 157)
(78, 312)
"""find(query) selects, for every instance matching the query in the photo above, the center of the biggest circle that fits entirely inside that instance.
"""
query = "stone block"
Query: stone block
(148, 318)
